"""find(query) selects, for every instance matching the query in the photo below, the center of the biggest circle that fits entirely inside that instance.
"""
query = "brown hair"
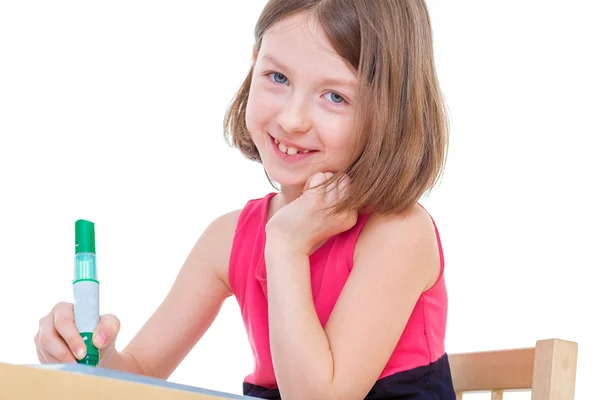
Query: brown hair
(400, 139)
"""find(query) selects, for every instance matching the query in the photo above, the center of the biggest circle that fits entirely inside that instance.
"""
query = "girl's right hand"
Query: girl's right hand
(59, 341)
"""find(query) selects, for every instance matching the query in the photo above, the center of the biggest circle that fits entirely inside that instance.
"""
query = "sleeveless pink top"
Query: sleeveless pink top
(421, 344)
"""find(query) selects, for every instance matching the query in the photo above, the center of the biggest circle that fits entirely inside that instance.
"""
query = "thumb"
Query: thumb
(107, 330)
(343, 186)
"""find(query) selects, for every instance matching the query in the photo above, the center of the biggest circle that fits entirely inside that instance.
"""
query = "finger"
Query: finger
(333, 188)
(331, 185)
(106, 331)
(343, 186)
(309, 182)
(52, 345)
(314, 182)
(64, 324)
(46, 358)
(331, 193)
(41, 357)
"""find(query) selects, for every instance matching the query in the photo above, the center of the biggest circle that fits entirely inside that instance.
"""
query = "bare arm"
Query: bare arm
(187, 311)
(395, 261)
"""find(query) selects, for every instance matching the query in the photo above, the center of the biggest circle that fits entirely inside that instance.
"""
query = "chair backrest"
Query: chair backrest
(547, 370)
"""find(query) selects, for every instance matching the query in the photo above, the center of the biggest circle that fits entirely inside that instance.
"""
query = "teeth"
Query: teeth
(292, 151)
(289, 150)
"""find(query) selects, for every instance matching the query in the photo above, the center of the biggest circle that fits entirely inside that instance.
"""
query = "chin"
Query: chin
(287, 179)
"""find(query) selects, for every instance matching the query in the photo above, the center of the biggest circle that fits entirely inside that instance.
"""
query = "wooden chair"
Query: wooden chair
(547, 370)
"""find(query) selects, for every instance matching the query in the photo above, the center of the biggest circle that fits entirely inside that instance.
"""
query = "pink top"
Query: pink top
(421, 343)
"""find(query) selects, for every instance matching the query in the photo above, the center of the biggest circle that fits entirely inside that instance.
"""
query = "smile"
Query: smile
(290, 153)
(289, 150)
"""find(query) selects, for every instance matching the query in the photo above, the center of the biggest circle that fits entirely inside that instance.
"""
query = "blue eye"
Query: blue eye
(278, 78)
(335, 98)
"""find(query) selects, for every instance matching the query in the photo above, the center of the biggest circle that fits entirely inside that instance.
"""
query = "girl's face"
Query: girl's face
(300, 106)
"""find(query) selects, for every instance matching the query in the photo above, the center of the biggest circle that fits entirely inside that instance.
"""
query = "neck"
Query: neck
(286, 195)
(289, 194)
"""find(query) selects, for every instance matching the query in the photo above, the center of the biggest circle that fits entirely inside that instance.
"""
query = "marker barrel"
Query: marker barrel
(86, 293)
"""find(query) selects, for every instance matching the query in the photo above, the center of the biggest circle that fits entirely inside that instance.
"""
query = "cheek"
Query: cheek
(260, 110)
(251, 111)
(338, 133)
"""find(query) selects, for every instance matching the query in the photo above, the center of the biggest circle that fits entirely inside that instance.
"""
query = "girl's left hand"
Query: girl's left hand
(307, 221)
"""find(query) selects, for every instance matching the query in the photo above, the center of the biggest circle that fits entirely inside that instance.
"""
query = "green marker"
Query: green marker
(86, 288)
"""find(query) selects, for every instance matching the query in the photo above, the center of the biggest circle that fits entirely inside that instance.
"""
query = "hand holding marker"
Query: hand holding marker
(86, 288)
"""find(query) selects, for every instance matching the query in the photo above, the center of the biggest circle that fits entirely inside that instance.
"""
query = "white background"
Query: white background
(112, 112)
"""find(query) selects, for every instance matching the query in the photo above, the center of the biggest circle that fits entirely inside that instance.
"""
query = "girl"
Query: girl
(339, 274)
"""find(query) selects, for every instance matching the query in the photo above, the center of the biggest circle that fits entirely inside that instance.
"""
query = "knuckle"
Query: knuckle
(111, 321)
(62, 321)
(44, 340)
(62, 306)
(73, 341)
(64, 356)
(117, 322)
(44, 320)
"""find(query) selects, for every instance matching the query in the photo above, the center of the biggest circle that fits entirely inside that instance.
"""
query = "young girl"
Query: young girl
(339, 274)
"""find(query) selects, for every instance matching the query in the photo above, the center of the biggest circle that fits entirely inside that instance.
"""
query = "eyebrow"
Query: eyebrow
(350, 84)
(278, 64)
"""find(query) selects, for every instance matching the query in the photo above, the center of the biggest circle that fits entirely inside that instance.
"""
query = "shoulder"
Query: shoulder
(221, 232)
(225, 224)
(215, 243)
(400, 242)
(218, 239)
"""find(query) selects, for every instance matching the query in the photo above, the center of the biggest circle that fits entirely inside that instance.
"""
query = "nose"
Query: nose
(293, 117)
